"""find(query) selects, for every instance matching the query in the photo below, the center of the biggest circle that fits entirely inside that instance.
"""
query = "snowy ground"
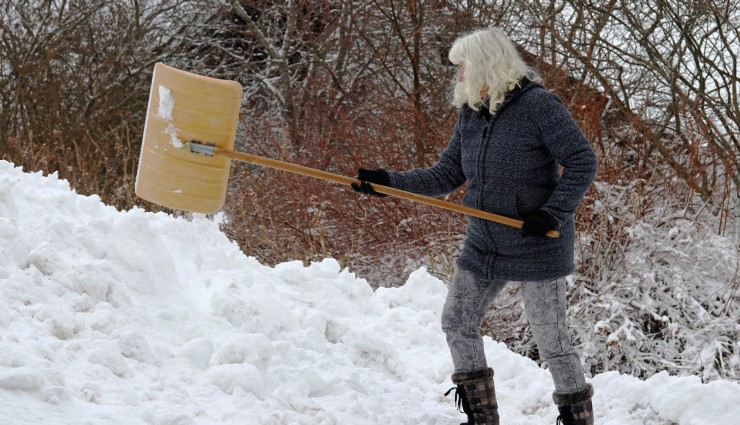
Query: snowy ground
(130, 317)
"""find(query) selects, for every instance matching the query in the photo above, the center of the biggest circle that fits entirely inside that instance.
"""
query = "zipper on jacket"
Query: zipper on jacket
(479, 161)
(479, 200)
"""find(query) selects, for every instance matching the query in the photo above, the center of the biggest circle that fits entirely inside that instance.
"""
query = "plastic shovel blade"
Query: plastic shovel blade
(182, 107)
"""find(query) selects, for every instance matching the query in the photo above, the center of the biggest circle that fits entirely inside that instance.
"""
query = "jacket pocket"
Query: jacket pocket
(528, 202)
(523, 210)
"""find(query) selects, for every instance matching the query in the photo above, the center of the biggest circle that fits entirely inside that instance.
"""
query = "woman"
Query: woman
(510, 141)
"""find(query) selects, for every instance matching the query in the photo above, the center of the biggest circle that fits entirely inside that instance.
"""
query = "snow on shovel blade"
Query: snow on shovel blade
(183, 107)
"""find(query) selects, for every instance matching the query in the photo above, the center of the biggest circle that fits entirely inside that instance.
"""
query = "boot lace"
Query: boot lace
(462, 404)
(564, 420)
(458, 399)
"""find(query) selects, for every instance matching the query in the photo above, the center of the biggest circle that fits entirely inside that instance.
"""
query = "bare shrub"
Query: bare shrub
(363, 85)
(74, 82)
(277, 216)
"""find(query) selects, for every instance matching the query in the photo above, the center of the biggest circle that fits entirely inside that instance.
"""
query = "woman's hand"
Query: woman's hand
(379, 176)
(538, 224)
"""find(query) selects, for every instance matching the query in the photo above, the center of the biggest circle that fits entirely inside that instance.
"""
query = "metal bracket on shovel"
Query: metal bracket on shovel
(197, 147)
(186, 106)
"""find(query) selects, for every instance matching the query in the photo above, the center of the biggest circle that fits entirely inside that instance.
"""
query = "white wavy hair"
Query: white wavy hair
(490, 62)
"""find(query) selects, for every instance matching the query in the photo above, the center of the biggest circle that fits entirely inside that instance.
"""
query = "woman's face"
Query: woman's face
(461, 79)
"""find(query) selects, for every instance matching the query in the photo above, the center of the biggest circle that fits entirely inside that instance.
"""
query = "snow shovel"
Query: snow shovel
(188, 146)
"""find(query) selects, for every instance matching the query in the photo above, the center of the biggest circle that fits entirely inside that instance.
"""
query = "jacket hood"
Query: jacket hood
(522, 86)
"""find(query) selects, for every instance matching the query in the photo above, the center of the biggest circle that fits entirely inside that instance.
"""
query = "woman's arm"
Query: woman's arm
(565, 141)
(441, 178)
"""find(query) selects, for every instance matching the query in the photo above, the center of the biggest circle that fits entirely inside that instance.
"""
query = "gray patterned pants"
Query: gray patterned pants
(544, 305)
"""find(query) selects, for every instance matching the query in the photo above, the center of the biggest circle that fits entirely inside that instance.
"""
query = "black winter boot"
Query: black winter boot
(575, 408)
(477, 396)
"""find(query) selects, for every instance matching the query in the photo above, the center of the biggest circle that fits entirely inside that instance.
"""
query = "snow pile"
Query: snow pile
(132, 317)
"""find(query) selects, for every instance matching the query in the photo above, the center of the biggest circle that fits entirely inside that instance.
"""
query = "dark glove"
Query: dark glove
(538, 224)
(379, 176)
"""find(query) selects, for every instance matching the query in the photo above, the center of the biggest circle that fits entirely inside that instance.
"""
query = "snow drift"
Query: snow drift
(131, 317)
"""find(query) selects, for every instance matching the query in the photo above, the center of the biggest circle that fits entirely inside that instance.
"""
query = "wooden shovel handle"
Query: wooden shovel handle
(338, 178)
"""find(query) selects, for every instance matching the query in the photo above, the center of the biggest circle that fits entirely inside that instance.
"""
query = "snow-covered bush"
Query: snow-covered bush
(670, 305)
(654, 292)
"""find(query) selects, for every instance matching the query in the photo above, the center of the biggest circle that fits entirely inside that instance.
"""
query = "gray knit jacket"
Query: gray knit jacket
(511, 162)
